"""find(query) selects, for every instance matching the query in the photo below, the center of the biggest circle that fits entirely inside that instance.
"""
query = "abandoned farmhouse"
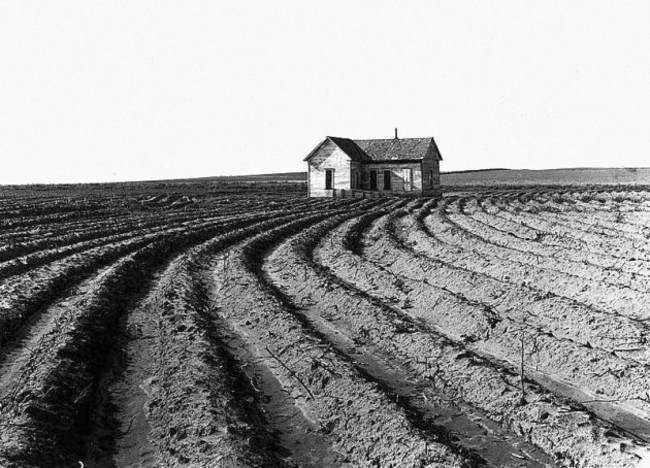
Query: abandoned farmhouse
(341, 167)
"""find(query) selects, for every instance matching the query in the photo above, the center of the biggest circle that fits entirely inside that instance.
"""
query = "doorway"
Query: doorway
(373, 180)
(329, 179)
(387, 180)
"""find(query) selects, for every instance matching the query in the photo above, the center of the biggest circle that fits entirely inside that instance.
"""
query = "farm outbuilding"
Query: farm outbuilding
(341, 167)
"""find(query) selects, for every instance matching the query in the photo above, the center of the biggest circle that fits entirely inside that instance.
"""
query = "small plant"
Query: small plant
(527, 338)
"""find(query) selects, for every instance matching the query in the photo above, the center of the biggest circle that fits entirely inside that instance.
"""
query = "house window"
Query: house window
(407, 175)
(373, 180)
(387, 180)
(357, 180)
(431, 177)
(329, 179)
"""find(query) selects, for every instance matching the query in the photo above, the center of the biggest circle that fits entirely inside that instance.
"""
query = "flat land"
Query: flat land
(551, 177)
(192, 324)
(451, 181)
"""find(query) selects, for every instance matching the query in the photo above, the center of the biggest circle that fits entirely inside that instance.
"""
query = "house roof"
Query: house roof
(351, 148)
(394, 149)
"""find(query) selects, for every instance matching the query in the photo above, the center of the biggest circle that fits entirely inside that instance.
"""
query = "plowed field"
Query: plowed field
(506, 329)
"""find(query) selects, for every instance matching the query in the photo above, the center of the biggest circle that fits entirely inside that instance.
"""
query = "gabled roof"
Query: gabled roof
(351, 148)
(394, 149)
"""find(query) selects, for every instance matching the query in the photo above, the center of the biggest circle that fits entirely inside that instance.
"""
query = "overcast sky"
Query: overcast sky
(111, 90)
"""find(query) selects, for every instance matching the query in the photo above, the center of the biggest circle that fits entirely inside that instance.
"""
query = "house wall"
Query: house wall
(329, 156)
(431, 185)
(425, 174)
(397, 177)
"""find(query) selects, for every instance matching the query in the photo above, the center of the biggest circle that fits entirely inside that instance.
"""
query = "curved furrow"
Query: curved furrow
(539, 228)
(491, 330)
(603, 219)
(467, 426)
(42, 257)
(549, 221)
(376, 329)
(605, 200)
(492, 238)
(107, 210)
(22, 264)
(179, 327)
(28, 293)
(452, 244)
(608, 229)
(174, 395)
(68, 246)
(635, 277)
(556, 235)
(350, 411)
(512, 293)
(612, 351)
(564, 318)
(44, 411)
(85, 231)
(129, 218)
(29, 221)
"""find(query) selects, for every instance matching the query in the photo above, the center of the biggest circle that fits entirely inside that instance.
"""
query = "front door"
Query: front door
(356, 182)
(329, 179)
(388, 180)
(373, 180)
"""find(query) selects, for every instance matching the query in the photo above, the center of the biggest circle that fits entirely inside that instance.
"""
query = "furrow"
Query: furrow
(376, 326)
(571, 251)
(491, 331)
(44, 411)
(459, 247)
(353, 413)
(175, 396)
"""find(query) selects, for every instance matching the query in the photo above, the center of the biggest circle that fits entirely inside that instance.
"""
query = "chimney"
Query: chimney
(396, 137)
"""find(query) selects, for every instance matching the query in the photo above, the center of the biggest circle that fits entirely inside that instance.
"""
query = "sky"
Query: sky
(143, 90)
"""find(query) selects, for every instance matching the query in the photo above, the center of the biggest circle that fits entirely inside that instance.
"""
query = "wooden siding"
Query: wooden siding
(430, 163)
(332, 157)
(397, 177)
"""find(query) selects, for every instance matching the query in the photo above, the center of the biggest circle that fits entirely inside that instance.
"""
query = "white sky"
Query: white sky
(128, 90)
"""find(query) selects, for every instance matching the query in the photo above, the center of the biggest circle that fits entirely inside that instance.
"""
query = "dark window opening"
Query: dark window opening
(387, 177)
(329, 179)
(373, 180)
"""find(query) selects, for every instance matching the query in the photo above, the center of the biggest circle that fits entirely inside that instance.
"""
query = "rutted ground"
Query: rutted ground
(204, 330)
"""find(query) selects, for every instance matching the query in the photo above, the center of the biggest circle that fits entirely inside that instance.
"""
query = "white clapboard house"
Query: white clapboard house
(341, 167)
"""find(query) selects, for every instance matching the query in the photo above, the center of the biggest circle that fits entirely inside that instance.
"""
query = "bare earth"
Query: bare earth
(503, 328)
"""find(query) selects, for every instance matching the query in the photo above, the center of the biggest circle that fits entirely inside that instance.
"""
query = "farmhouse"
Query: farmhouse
(341, 167)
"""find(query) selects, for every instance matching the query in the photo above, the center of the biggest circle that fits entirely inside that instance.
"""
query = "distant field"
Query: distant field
(295, 183)
(276, 177)
(523, 177)
(477, 178)
(510, 177)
